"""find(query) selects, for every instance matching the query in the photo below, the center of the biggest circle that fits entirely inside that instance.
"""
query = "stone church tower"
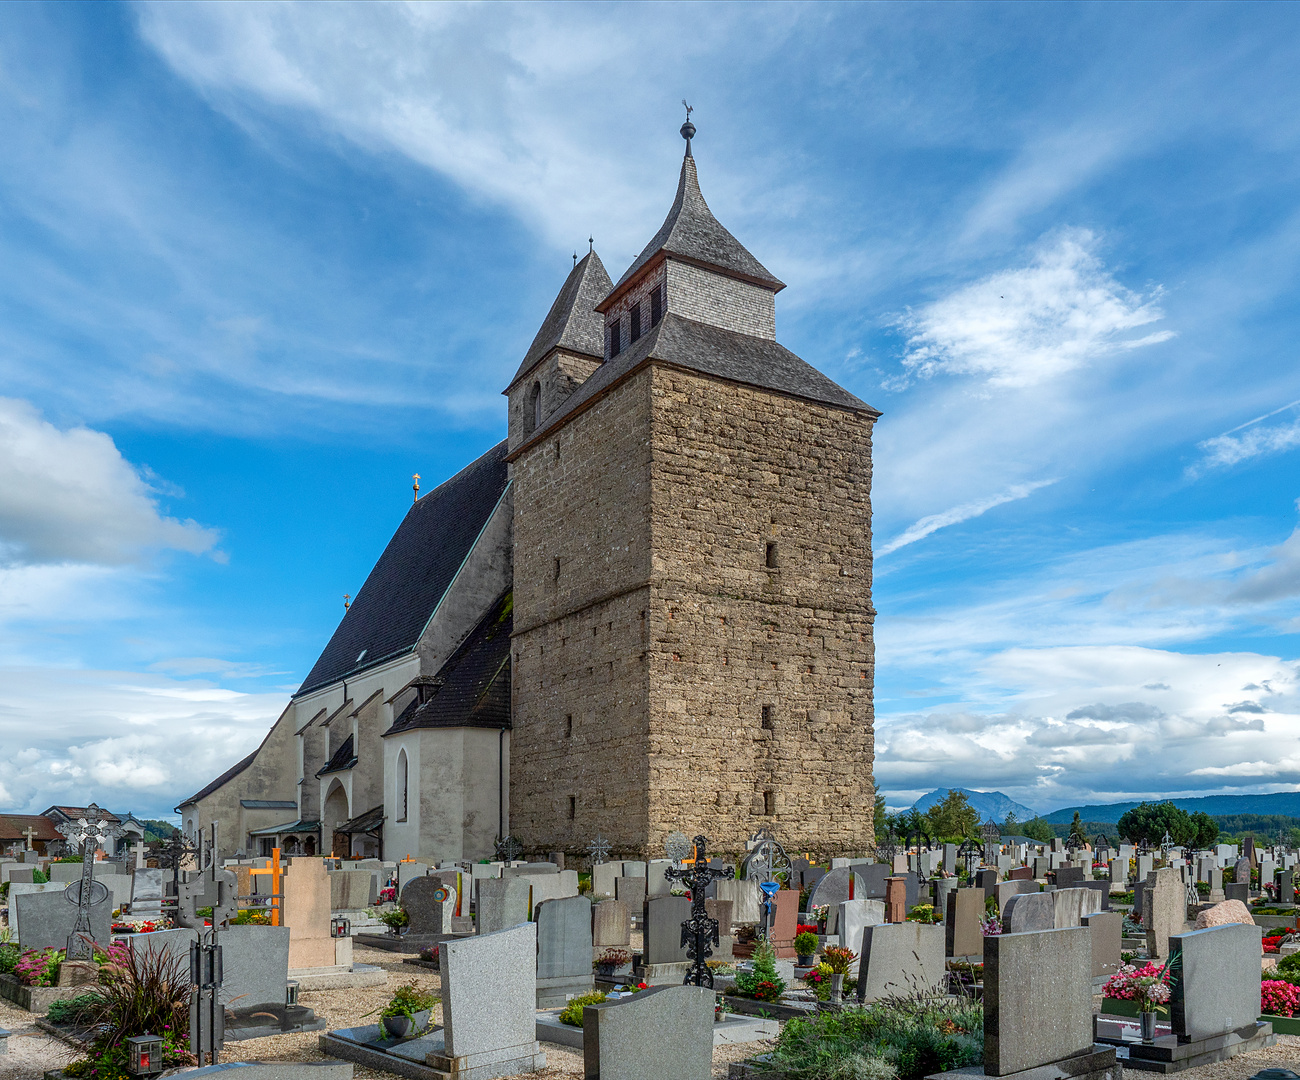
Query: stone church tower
(692, 642)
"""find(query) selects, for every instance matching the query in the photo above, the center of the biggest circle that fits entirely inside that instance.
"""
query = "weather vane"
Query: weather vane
(689, 109)
(347, 601)
(416, 487)
(688, 129)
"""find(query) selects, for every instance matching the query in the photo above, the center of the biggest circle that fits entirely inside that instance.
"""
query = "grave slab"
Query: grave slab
(898, 958)
(666, 1031)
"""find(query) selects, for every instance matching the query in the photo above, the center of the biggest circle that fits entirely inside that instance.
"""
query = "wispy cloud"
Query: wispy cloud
(1020, 327)
(1224, 451)
(70, 497)
(956, 514)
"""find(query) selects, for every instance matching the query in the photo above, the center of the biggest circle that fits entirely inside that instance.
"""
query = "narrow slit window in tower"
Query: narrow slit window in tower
(768, 717)
(573, 807)
(615, 344)
(656, 306)
(769, 803)
(636, 323)
(771, 555)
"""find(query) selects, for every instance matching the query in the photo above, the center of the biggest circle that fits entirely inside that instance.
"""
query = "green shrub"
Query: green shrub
(909, 1037)
(40, 877)
(805, 944)
(70, 1010)
(571, 1014)
(9, 958)
(762, 983)
(408, 1000)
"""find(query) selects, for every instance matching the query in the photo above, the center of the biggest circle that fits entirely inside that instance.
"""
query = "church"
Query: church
(647, 611)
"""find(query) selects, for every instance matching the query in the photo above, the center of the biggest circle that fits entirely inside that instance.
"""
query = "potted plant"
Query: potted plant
(396, 920)
(805, 945)
(612, 961)
(838, 958)
(407, 1012)
(1147, 987)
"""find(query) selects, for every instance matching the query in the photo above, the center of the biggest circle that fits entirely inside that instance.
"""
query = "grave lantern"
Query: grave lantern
(340, 927)
(146, 1057)
(291, 993)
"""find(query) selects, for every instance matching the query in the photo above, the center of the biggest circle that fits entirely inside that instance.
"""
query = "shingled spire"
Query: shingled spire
(572, 324)
(691, 233)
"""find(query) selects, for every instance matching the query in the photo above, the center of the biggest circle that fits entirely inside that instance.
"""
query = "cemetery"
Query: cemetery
(1081, 958)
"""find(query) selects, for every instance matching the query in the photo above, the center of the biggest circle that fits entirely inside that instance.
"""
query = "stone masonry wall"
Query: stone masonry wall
(559, 375)
(735, 469)
(581, 573)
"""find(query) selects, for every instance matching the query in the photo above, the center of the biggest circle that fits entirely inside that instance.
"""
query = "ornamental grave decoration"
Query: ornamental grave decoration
(88, 833)
(598, 849)
(699, 932)
(507, 849)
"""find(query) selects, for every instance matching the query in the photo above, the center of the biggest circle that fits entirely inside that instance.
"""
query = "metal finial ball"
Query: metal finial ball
(688, 131)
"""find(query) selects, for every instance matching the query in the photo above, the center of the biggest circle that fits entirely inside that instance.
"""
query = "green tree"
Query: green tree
(1077, 830)
(1010, 826)
(1207, 829)
(1038, 830)
(953, 817)
(1150, 822)
(882, 818)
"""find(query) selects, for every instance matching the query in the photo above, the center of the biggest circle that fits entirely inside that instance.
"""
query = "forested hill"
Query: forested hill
(1283, 802)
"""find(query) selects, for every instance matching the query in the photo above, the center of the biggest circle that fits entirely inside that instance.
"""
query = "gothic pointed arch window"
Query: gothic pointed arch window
(403, 785)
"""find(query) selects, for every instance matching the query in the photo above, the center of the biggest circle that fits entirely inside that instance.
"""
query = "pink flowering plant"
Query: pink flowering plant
(1147, 985)
(991, 926)
(39, 967)
(1278, 998)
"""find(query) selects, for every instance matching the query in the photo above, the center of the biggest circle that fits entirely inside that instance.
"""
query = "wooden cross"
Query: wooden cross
(407, 859)
(277, 894)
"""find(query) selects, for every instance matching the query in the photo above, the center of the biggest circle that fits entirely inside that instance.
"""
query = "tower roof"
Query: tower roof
(692, 233)
(572, 323)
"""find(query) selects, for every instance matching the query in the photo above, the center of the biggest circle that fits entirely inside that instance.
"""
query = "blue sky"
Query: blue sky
(261, 263)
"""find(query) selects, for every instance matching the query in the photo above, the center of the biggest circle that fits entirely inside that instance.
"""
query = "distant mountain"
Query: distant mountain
(1281, 802)
(988, 804)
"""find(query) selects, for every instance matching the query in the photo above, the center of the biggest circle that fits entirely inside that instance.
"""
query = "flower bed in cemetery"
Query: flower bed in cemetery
(1134, 989)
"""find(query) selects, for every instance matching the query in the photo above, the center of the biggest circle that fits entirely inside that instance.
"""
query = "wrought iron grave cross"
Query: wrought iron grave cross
(88, 832)
(598, 849)
(699, 932)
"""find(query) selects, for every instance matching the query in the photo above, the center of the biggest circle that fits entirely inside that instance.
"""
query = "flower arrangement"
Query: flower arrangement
(1147, 985)
(39, 967)
(838, 958)
(431, 955)
(820, 913)
(806, 928)
(990, 926)
(924, 913)
(143, 926)
(613, 958)
(1272, 942)
(1278, 998)
(395, 919)
(818, 980)
(388, 895)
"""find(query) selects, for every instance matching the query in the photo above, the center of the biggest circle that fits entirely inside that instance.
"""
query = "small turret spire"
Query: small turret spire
(688, 129)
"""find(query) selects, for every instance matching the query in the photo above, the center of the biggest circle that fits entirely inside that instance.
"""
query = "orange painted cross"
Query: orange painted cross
(277, 875)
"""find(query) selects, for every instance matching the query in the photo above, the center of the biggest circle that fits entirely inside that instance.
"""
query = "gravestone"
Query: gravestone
(21, 874)
(1118, 871)
(1069, 877)
(813, 875)
(661, 1033)
(950, 858)
(489, 989)
(1008, 889)
(895, 899)
(1218, 988)
(1107, 928)
(872, 875)
(721, 910)
(502, 903)
(656, 884)
(1168, 911)
(631, 891)
(634, 868)
(1241, 871)
(897, 959)
(602, 879)
(962, 933)
(854, 917)
(255, 962)
(306, 912)
(986, 880)
(1021, 873)
(352, 890)
(1037, 999)
(45, 919)
(1234, 891)
(147, 893)
(839, 885)
(743, 894)
(611, 927)
(1069, 906)
(430, 905)
(408, 872)
(1028, 913)
(664, 916)
(564, 942)
(1102, 889)
(552, 886)
(529, 869)
(1145, 864)
(942, 888)
(785, 922)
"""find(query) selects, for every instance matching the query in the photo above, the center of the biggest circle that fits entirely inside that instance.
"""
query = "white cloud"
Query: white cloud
(1228, 449)
(70, 497)
(1020, 327)
(131, 742)
(964, 512)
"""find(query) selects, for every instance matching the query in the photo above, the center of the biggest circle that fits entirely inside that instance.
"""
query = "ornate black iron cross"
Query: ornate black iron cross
(699, 932)
(88, 832)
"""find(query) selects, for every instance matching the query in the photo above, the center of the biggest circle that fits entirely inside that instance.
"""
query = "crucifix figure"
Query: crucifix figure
(87, 832)
(699, 932)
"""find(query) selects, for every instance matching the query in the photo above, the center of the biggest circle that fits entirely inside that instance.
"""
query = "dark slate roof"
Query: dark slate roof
(268, 804)
(225, 777)
(692, 232)
(344, 758)
(370, 821)
(711, 350)
(476, 687)
(572, 323)
(395, 603)
(299, 826)
(74, 813)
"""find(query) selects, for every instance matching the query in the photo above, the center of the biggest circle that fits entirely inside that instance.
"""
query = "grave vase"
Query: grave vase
(837, 988)
(1148, 1026)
